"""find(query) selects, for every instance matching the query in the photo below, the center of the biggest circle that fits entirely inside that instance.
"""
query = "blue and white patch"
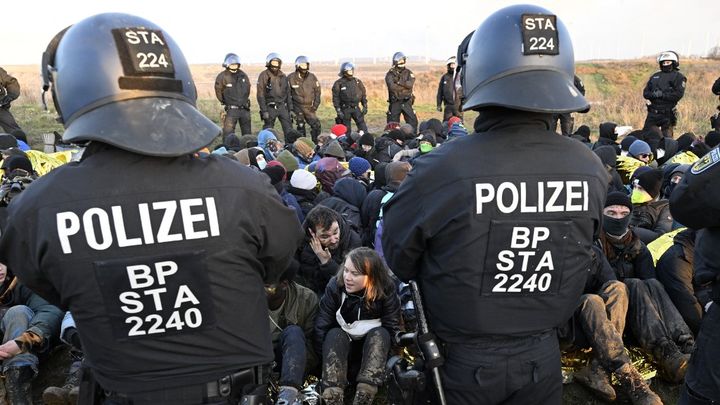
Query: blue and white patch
(706, 162)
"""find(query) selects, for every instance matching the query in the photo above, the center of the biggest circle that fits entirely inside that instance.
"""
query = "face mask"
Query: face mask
(640, 196)
(616, 226)
(425, 147)
(666, 68)
(401, 65)
(366, 148)
(261, 163)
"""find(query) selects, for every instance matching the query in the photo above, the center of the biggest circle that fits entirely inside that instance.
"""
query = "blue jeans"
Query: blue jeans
(14, 323)
(291, 355)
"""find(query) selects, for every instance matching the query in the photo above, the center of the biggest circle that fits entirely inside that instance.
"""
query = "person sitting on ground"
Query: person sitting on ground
(650, 215)
(395, 173)
(359, 315)
(303, 185)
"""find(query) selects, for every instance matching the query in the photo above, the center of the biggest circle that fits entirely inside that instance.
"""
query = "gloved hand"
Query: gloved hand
(364, 110)
(264, 115)
(340, 114)
(657, 93)
(439, 108)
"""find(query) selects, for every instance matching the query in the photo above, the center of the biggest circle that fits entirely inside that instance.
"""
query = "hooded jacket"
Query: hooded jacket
(629, 256)
(651, 220)
(348, 197)
(608, 156)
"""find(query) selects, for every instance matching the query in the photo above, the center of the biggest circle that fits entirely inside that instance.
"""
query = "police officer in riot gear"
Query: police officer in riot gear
(305, 90)
(695, 203)
(348, 93)
(400, 81)
(715, 119)
(663, 91)
(566, 119)
(446, 92)
(232, 89)
(153, 265)
(9, 91)
(508, 245)
(273, 94)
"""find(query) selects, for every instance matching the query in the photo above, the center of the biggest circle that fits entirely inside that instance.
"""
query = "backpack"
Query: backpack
(379, 224)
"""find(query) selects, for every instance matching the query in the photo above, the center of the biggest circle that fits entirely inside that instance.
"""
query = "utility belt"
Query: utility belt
(236, 107)
(349, 106)
(275, 105)
(247, 385)
(661, 110)
(499, 340)
(400, 100)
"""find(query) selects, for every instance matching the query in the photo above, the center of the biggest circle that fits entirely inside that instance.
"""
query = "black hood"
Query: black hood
(607, 130)
(350, 191)
(607, 155)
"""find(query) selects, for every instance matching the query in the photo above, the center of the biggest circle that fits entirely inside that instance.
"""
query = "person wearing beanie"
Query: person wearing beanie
(276, 173)
(243, 157)
(334, 150)
(452, 121)
(232, 143)
(408, 130)
(292, 136)
(390, 126)
(288, 160)
(584, 131)
(653, 319)
(651, 216)
(639, 154)
(456, 131)
(388, 178)
(338, 130)
(248, 141)
(364, 146)
(303, 185)
(360, 168)
(304, 151)
(328, 170)
(641, 151)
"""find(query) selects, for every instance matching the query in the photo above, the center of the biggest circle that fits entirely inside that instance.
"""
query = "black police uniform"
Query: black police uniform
(154, 270)
(347, 94)
(305, 92)
(664, 90)
(567, 122)
(446, 95)
(400, 84)
(274, 99)
(501, 255)
(695, 202)
(715, 119)
(9, 91)
(233, 91)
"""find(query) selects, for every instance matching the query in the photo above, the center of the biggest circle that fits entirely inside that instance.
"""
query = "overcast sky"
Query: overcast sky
(328, 31)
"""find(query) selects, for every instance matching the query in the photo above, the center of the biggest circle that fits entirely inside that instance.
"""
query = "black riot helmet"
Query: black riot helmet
(273, 61)
(521, 57)
(231, 59)
(122, 80)
(399, 59)
(302, 64)
(347, 69)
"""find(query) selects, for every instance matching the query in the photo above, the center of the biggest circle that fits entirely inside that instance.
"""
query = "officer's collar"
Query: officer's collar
(495, 118)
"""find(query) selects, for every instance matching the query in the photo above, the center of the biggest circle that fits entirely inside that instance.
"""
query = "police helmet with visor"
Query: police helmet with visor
(521, 57)
(122, 80)
(399, 59)
(231, 59)
(273, 60)
(347, 68)
(669, 56)
(302, 63)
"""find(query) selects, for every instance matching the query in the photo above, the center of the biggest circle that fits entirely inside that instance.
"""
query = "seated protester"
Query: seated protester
(364, 145)
(387, 146)
(334, 150)
(667, 148)
(28, 323)
(292, 321)
(437, 128)
(232, 143)
(395, 173)
(423, 144)
(672, 174)
(248, 141)
(639, 155)
(607, 137)
(288, 161)
(582, 134)
(348, 196)
(608, 156)
(304, 152)
(328, 238)
(598, 323)
(675, 271)
(456, 131)
(290, 137)
(360, 170)
(712, 139)
(17, 175)
(268, 142)
(359, 314)
(328, 170)
(654, 321)
(379, 181)
(256, 158)
(303, 185)
(650, 215)
(276, 172)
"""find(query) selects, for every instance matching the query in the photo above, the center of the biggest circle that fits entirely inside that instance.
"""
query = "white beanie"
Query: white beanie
(303, 180)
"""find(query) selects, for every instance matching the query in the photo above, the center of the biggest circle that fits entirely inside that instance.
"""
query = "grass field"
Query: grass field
(614, 89)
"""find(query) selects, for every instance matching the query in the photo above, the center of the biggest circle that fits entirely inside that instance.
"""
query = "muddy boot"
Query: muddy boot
(634, 385)
(365, 394)
(3, 393)
(17, 385)
(287, 396)
(596, 379)
(333, 396)
(672, 363)
(61, 395)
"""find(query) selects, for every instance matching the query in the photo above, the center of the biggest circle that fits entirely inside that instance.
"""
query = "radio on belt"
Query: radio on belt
(540, 35)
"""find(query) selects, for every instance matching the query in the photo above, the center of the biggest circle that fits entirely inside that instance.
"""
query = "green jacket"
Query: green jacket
(299, 308)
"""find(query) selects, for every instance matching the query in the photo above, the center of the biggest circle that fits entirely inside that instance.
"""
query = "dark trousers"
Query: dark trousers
(354, 113)
(338, 349)
(520, 370)
(567, 122)
(232, 117)
(406, 109)
(7, 121)
(279, 111)
(306, 116)
(451, 110)
(664, 118)
(652, 315)
(291, 356)
(703, 376)
(598, 322)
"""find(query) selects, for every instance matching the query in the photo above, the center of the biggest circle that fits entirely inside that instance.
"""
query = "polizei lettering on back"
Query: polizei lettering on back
(103, 228)
(532, 197)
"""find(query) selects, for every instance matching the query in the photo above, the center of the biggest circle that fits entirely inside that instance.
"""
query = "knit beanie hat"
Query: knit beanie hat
(276, 173)
(391, 125)
(639, 148)
(291, 136)
(338, 129)
(302, 148)
(248, 141)
(618, 198)
(288, 161)
(367, 139)
(396, 135)
(358, 166)
(456, 131)
(651, 181)
(335, 150)
(452, 122)
(232, 142)
(303, 179)
(243, 157)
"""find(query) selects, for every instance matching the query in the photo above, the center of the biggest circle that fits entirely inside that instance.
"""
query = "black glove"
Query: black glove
(340, 114)
(657, 93)
(364, 110)
(264, 115)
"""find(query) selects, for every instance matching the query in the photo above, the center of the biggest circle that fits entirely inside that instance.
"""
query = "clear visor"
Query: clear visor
(303, 66)
(275, 63)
